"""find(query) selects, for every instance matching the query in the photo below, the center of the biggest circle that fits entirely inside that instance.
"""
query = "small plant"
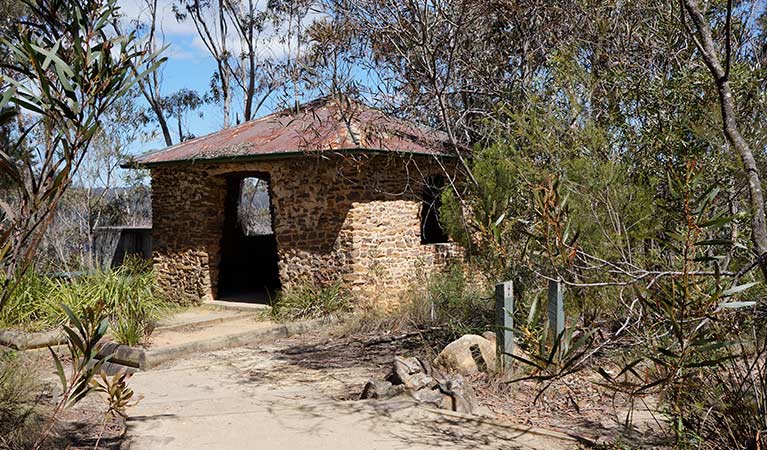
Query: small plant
(307, 301)
(118, 396)
(84, 338)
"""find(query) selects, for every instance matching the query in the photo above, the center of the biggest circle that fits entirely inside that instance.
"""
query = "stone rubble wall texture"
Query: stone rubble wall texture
(355, 219)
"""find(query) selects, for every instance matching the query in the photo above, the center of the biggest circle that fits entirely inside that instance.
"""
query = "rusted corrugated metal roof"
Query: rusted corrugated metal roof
(322, 125)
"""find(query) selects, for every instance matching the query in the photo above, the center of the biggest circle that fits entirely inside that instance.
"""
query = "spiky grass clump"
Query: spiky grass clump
(310, 301)
(129, 293)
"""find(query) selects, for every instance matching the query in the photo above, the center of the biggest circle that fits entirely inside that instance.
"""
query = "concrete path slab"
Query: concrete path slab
(256, 398)
(207, 331)
(198, 316)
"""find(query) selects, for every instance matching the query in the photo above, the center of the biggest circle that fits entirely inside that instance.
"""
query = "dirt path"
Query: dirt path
(291, 395)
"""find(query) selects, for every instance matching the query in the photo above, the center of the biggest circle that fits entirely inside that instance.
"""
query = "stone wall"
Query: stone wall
(349, 218)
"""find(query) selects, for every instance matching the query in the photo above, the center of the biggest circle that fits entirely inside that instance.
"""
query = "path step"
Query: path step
(235, 306)
(201, 317)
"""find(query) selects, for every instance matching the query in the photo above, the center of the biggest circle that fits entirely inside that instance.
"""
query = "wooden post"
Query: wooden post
(556, 308)
(504, 336)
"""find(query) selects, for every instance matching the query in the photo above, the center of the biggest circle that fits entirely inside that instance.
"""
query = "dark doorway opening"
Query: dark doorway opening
(248, 271)
(431, 201)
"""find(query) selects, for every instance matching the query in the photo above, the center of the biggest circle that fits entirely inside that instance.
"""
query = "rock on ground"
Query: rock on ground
(468, 355)
(414, 378)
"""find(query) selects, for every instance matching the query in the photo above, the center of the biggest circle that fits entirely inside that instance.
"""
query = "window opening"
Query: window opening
(431, 230)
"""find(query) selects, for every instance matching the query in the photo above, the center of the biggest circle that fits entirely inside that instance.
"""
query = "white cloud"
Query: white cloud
(139, 11)
(272, 44)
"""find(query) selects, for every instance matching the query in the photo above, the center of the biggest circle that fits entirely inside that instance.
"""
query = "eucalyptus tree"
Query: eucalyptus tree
(241, 36)
(177, 105)
(68, 67)
(210, 21)
(151, 86)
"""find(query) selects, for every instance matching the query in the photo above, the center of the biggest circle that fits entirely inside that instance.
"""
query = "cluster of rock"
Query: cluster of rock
(441, 384)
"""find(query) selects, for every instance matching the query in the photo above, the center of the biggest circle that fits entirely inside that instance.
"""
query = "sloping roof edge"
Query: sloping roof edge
(136, 164)
(326, 125)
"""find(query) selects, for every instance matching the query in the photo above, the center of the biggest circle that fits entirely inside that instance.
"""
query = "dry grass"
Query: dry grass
(21, 417)
(442, 306)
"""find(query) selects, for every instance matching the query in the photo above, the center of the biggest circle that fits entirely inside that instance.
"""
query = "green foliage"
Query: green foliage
(648, 254)
(691, 316)
(131, 301)
(21, 419)
(497, 210)
(310, 301)
(602, 161)
(458, 305)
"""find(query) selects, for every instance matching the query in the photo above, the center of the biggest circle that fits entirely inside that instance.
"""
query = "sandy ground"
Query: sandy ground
(295, 394)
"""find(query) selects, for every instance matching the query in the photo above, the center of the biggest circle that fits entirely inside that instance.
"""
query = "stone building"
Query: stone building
(350, 194)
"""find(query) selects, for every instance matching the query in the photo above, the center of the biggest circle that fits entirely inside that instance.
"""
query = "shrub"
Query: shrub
(131, 300)
(129, 293)
(308, 301)
(460, 306)
(21, 421)
(727, 407)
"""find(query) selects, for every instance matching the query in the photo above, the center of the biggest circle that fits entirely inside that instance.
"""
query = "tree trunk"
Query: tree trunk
(224, 65)
(180, 131)
(226, 91)
(157, 109)
(251, 89)
(705, 44)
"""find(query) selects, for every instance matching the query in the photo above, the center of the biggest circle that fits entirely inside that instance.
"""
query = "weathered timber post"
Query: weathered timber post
(556, 308)
(504, 336)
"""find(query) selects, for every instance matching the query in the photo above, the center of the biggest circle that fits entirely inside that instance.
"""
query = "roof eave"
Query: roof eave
(274, 156)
